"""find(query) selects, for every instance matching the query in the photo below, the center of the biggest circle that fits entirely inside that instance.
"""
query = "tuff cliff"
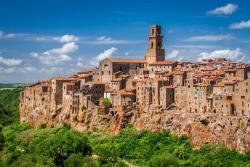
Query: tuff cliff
(209, 100)
(231, 131)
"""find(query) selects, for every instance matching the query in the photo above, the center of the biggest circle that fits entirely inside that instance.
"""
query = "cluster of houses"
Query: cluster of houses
(213, 85)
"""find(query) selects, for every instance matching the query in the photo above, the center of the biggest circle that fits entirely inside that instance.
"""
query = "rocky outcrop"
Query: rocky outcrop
(201, 128)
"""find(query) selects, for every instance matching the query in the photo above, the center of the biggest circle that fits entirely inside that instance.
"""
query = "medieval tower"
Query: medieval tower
(155, 52)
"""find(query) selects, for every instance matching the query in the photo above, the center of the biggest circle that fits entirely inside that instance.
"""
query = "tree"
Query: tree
(106, 102)
(77, 160)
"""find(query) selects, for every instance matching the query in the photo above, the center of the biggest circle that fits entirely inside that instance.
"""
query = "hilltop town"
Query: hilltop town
(209, 101)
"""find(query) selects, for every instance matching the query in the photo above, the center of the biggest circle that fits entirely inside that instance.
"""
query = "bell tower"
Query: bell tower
(155, 52)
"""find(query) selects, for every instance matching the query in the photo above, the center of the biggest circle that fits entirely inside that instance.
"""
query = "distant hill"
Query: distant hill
(12, 85)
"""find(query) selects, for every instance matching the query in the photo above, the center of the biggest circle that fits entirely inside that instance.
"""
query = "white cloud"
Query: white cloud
(52, 70)
(170, 31)
(68, 38)
(173, 54)
(211, 38)
(106, 54)
(6, 36)
(63, 39)
(39, 38)
(57, 55)
(103, 38)
(8, 70)
(192, 46)
(79, 62)
(10, 62)
(27, 69)
(126, 53)
(240, 25)
(108, 40)
(233, 54)
(65, 49)
(224, 10)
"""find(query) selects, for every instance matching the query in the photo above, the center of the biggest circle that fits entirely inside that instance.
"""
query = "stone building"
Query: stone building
(241, 97)
(217, 86)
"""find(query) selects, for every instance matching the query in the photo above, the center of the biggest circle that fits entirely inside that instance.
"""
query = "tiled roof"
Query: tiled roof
(201, 85)
(166, 62)
(117, 60)
(65, 78)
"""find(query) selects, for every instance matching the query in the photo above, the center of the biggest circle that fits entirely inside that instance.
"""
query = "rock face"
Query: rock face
(231, 131)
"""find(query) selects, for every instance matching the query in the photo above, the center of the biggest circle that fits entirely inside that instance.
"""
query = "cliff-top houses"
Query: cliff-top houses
(211, 86)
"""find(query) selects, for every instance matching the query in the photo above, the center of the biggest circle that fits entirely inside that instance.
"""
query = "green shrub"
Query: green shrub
(164, 162)
(106, 102)
(77, 160)
(83, 108)
(43, 125)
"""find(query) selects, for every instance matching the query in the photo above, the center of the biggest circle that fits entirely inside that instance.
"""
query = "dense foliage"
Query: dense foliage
(22, 146)
(9, 104)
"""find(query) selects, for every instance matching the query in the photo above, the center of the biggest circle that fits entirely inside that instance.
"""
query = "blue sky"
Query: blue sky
(41, 39)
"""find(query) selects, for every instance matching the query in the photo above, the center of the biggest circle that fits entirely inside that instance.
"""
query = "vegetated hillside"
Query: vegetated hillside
(9, 105)
(63, 146)
(22, 146)
(12, 85)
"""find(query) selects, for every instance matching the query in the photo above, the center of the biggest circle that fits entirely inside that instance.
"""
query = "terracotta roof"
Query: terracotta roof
(166, 62)
(45, 82)
(109, 90)
(201, 85)
(116, 79)
(219, 84)
(65, 78)
(124, 93)
(230, 70)
(117, 60)
(85, 72)
(234, 78)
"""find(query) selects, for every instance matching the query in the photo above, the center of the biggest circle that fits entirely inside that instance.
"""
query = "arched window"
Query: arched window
(153, 31)
(152, 45)
(158, 32)
(158, 46)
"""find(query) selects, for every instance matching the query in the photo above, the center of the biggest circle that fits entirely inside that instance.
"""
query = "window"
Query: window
(158, 32)
(153, 31)
(158, 46)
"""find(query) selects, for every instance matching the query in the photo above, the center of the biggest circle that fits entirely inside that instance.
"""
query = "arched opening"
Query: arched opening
(158, 46)
(152, 45)
(158, 32)
(153, 32)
